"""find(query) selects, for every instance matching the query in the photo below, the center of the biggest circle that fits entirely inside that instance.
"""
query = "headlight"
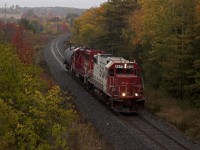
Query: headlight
(123, 94)
(125, 65)
(136, 94)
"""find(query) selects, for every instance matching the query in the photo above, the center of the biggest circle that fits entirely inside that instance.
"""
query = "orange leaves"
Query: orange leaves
(63, 27)
(20, 39)
(22, 44)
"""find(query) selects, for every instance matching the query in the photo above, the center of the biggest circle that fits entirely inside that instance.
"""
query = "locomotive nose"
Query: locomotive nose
(129, 87)
(127, 80)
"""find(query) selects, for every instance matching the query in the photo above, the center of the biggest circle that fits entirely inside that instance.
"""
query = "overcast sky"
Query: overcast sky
(53, 3)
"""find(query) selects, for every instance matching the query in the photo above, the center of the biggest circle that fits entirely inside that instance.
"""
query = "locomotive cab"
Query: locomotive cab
(127, 90)
(127, 85)
(120, 80)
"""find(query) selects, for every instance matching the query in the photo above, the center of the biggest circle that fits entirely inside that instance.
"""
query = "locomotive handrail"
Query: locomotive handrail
(89, 73)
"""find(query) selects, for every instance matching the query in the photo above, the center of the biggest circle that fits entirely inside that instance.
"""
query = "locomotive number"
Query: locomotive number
(119, 66)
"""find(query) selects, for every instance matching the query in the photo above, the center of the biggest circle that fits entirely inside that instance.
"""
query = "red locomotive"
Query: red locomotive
(118, 80)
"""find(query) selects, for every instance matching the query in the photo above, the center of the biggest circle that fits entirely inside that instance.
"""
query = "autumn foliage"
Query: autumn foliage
(20, 39)
(22, 45)
(34, 113)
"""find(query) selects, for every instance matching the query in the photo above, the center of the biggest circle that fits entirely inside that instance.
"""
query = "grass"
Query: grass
(83, 136)
(182, 116)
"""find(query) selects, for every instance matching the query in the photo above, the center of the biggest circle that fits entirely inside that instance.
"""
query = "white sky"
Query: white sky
(53, 3)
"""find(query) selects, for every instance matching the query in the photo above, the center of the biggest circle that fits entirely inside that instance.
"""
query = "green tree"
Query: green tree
(87, 30)
(31, 118)
(10, 68)
(116, 25)
(9, 120)
(167, 37)
(195, 88)
(106, 27)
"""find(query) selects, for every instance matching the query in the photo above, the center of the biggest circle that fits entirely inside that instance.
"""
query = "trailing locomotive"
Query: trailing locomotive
(117, 79)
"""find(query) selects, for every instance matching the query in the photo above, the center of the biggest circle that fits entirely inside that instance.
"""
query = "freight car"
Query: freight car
(117, 79)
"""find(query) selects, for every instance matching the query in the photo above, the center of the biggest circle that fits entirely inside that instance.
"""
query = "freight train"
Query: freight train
(118, 80)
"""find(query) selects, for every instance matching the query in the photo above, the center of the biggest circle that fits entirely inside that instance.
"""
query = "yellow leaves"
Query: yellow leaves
(27, 116)
(53, 96)
(87, 28)
(19, 125)
(8, 120)
(7, 141)
(86, 33)
(58, 133)
(7, 115)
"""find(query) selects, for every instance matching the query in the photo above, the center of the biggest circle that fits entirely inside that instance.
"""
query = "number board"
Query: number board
(130, 66)
(119, 66)
(122, 66)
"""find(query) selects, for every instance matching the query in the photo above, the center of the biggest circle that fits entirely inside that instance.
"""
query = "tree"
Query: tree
(6, 31)
(87, 30)
(167, 37)
(20, 42)
(106, 27)
(10, 67)
(31, 25)
(70, 18)
(195, 88)
(9, 120)
(30, 118)
(115, 24)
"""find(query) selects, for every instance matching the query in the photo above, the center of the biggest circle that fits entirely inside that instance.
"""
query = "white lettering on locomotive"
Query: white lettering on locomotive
(119, 66)
(125, 66)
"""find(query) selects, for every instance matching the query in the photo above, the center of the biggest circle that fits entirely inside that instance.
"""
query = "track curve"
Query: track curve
(112, 128)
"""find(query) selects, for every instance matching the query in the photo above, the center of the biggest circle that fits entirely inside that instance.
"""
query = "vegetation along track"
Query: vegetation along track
(154, 133)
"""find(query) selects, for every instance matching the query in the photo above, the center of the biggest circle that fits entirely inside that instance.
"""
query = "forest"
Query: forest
(164, 38)
(35, 113)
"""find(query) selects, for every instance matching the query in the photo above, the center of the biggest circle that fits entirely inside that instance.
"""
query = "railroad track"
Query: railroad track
(154, 133)
(145, 127)
(111, 125)
(159, 137)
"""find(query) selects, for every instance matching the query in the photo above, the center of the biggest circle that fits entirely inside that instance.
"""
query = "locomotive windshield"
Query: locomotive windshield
(127, 71)
(119, 71)
(123, 69)
(130, 71)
